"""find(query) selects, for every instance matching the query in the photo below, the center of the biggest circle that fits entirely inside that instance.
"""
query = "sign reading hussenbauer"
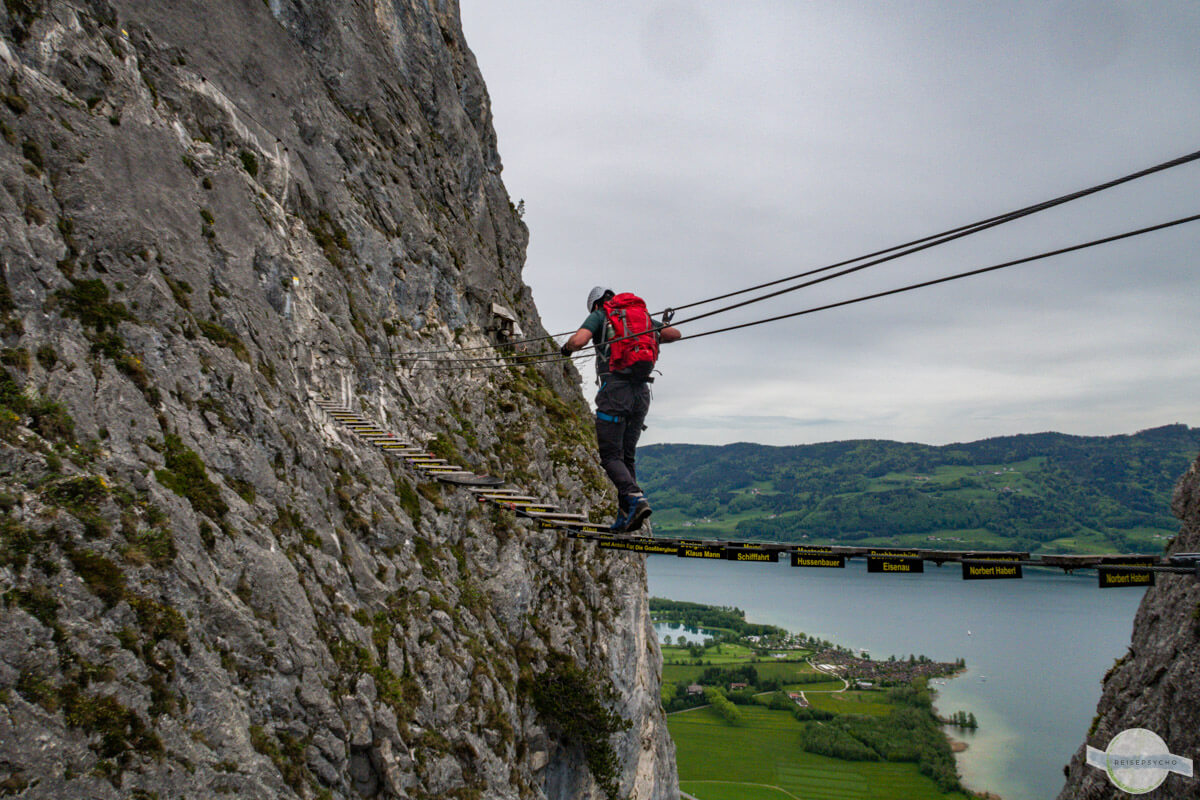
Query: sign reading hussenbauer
(819, 560)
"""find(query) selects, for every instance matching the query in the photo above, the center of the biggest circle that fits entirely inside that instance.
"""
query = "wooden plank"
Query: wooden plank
(558, 515)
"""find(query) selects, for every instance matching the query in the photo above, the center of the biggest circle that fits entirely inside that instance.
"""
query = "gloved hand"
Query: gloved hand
(566, 353)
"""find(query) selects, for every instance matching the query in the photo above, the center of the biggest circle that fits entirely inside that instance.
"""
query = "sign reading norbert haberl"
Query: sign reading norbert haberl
(1138, 761)
(974, 571)
(1116, 577)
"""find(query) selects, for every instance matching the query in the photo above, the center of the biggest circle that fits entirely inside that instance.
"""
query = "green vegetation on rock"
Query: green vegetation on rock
(185, 475)
(574, 705)
(87, 301)
(220, 335)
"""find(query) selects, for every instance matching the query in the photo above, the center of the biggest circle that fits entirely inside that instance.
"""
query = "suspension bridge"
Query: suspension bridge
(1112, 570)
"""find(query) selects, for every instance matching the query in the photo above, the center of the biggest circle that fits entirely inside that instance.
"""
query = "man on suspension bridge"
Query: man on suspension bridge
(627, 341)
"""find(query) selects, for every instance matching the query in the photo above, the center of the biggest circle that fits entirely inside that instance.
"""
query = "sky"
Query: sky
(681, 149)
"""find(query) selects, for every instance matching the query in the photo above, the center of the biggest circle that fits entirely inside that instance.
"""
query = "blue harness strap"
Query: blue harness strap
(600, 415)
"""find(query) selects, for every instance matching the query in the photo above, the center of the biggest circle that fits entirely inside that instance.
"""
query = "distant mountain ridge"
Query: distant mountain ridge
(1047, 492)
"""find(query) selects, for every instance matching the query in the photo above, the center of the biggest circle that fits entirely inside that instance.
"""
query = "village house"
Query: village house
(872, 674)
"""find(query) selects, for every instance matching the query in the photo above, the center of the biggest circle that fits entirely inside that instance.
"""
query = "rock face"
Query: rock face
(214, 214)
(1156, 685)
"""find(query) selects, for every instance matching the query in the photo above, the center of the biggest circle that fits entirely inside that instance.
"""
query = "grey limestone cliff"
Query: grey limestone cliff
(213, 214)
(1156, 684)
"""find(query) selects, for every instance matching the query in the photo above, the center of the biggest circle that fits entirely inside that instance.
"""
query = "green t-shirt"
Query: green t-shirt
(595, 323)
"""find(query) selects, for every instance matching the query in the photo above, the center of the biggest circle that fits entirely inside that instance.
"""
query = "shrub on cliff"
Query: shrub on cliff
(575, 706)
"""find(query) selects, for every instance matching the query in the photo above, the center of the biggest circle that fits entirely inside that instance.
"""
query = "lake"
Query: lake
(1036, 650)
(680, 634)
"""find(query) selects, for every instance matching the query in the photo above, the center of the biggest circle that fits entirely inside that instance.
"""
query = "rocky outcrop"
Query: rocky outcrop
(212, 215)
(1156, 685)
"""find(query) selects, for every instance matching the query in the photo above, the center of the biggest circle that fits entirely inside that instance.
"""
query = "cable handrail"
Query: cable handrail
(899, 290)
(879, 256)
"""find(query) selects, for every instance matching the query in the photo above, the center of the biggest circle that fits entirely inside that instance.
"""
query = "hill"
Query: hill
(1047, 492)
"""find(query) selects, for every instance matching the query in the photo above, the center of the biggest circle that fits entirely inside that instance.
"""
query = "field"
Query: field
(761, 759)
(795, 679)
(720, 655)
(851, 702)
(792, 671)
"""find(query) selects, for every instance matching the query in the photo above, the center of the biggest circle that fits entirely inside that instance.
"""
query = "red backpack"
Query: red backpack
(628, 317)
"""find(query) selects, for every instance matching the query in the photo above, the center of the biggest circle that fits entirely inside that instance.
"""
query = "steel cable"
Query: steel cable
(879, 256)
(948, 278)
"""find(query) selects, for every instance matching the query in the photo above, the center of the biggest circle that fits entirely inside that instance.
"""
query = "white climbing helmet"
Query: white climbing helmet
(595, 294)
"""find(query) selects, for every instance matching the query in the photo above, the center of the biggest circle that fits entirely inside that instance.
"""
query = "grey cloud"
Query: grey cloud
(808, 133)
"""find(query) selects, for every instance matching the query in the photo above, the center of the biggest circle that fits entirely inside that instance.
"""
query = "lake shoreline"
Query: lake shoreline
(1031, 723)
(958, 746)
(664, 622)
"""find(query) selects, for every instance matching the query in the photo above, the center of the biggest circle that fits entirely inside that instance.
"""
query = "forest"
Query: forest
(1045, 492)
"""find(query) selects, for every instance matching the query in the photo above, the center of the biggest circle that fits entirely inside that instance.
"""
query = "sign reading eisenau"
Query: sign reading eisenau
(895, 564)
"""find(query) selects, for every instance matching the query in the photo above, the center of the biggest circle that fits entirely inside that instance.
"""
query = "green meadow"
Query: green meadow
(850, 702)
(718, 655)
(792, 671)
(761, 759)
(791, 680)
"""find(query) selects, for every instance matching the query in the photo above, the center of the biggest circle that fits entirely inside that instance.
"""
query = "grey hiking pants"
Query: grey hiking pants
(621, 407)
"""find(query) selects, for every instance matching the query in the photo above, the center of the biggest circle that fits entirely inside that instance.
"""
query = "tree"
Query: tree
(723, 706)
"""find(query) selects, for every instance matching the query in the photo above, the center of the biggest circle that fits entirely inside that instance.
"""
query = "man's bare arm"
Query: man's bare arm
(578, 341)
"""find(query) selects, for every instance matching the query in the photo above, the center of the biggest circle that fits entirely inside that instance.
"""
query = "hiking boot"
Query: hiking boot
(620, 522)
(638, 513)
